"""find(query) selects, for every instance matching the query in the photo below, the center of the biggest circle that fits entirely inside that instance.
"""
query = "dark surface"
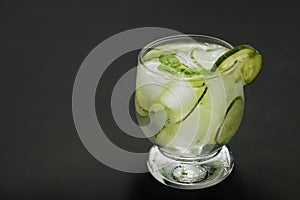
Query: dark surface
(43, 43)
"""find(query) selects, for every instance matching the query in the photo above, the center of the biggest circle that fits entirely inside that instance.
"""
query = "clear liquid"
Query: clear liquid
(187, 117)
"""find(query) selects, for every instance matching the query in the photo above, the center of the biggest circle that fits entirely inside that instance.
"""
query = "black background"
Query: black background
(43, 44)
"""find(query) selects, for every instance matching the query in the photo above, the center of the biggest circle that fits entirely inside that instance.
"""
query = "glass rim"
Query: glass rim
(174, 37)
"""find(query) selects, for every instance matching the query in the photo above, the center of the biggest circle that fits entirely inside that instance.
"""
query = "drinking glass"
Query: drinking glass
(189, 119)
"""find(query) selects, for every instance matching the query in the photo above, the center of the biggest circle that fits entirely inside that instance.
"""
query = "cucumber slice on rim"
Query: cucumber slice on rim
(247, 59)
(232, 120)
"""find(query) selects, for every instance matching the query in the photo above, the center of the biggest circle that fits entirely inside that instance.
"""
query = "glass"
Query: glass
(189, 119)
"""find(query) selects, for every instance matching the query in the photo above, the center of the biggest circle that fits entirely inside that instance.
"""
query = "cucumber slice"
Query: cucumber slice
(231, 122)
(143, 112)
(142, 104)
(204, 90)
(192, 56)
(247, 59)
(165, 129)
(166, 134)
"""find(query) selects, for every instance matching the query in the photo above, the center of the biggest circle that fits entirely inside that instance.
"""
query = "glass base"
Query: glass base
(187, 173)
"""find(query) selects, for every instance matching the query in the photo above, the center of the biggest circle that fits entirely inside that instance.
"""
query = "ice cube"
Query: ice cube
(179, 97)
(202, 57)
(186, 60)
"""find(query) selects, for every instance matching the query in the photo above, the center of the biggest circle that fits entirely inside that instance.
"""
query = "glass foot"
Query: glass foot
(190, 173)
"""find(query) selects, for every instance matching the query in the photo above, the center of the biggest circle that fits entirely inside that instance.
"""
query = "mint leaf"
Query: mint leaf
(174, 62)
(168, 69)
(169, 59)
(181, 68)
(191, 71)
(172, 65)
(164, 59)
